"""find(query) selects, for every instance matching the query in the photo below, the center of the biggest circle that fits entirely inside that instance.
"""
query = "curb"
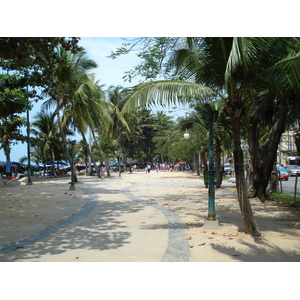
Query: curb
(178, 248)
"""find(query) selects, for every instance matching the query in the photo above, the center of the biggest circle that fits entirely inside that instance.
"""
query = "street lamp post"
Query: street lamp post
(29, 181)
(211, 176)
(211, 222)
(72, 187)
(119, 154)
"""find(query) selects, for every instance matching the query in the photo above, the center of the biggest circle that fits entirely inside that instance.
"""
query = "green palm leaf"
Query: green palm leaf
(166, 92)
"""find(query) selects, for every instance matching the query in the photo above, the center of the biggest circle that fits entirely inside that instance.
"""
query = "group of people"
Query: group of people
(102, 169)
(166, 167)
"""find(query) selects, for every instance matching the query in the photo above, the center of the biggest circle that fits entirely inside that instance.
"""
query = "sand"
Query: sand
(25, 210)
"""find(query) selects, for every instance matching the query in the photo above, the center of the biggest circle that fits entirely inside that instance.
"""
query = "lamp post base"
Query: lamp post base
(211, 224)
(72, 188)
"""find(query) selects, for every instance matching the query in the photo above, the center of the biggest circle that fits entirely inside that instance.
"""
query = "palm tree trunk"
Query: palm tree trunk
(218, 163)
(53, 162)
(7, 154)
(162, 158)
(197, 163)
(274, 180)
(65, 145)
(102, 153)
(203, 154)
(90, 153)
(67, 153)
(250, 226)
(263, 155)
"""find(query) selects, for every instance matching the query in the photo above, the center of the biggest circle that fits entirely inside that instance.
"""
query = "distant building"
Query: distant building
(287, 151)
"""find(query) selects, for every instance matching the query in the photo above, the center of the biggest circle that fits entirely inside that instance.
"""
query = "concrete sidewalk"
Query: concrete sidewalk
(113, 225)
(139, 218)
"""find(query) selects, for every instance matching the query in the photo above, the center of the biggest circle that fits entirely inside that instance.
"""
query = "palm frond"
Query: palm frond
(166, 92)
(285, 73)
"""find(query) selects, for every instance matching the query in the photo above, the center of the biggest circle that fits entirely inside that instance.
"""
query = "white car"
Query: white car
(293, 170)
(227, 169)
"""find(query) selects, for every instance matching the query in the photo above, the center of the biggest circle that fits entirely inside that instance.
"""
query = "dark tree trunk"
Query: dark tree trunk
(203, 154)
(263, 155)
(194, 161)
(197, 163)
(53, 162)
(234, 109)
(7, 154)
(274, 180)
(218, 163)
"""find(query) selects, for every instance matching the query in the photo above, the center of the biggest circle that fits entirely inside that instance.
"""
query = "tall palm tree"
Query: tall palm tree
(68, 71)
(82, 153)
(85, 109)
(165, 125)
(115, 96)
(100, 125)
(119, 125)
(230, 68)
(221, 131)
(47, 138)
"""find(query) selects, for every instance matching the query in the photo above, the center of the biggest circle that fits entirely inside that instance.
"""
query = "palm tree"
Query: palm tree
(47, 137)
(85, 109)
(165, 125)
(82, 153)
(119, 125)
(229, 68)
(221, 131)
(68, 71)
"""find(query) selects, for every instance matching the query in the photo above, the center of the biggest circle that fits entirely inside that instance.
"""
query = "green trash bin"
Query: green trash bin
(206, 180)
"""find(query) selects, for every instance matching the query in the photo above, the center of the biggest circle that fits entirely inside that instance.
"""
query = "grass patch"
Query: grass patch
(285, 199)
(225, 178)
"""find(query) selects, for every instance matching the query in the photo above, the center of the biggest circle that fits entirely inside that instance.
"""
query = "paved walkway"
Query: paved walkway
(138, 218)
(114, 225)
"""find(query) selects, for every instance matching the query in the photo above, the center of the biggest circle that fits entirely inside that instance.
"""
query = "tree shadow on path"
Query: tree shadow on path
(101, 228)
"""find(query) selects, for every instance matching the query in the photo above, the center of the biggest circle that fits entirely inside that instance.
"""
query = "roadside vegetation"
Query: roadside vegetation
(286, 199)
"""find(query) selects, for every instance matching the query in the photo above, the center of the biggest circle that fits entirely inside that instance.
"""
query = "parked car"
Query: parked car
(227, 169)
(282, 173)
(293, 170)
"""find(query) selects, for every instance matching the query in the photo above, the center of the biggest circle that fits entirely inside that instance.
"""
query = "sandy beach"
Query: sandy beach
(27, 210)
(185, 193)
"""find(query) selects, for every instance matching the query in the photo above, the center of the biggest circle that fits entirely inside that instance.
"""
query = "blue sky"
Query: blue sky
(171, 20)
(109, 72)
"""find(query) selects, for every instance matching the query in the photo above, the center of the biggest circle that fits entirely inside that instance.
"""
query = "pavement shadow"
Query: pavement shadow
(258, 252)
(101, 229)
(179, 225)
